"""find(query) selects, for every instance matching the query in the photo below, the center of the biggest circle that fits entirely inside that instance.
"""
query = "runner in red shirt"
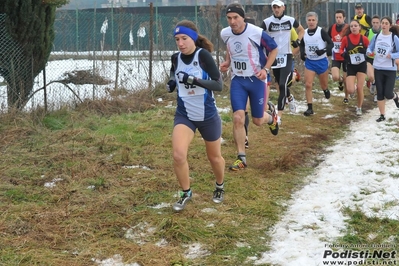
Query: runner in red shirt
(353, 49)
(336, 32)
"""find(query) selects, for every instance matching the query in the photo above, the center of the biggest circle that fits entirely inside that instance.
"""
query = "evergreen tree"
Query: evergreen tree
(26, 39)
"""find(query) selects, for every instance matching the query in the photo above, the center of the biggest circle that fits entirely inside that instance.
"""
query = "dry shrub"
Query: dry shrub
(139, 101)
(80, 77)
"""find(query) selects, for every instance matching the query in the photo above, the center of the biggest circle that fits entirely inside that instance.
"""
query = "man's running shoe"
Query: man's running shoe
(359, 111)
(396, 100)
(345, 101)
(181, 203)
(246, 143)
(327, 93)
(341, 86)
(238, 164)
(273, 112)
(291, 103)
(308, 112)
(218, 195)
(381, 118)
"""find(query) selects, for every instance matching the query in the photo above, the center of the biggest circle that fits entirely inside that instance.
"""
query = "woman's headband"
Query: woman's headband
(185, 30)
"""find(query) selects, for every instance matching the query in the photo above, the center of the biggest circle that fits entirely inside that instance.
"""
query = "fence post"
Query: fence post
(151, 36)
(77, 31)
(156, 24)
(218, 19)
(45, 89)
(196, 11)
(118, 51)
(94, 51)
(328, 14)
(112, 28)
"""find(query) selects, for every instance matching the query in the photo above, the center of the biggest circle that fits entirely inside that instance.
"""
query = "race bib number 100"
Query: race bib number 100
(240, 65)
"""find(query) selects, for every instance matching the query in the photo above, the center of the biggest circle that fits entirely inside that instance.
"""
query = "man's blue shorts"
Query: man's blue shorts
(243, 87)
(319, 66)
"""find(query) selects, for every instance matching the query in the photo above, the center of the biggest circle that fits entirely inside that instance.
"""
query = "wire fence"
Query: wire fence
(12, 64)
(99, 52)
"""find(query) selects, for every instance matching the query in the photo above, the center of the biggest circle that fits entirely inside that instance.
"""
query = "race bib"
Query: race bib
(242, 67)
(190, 90)
(337, 46)
(280, 62)
(357, 59)
(311, 54)
(381, 51)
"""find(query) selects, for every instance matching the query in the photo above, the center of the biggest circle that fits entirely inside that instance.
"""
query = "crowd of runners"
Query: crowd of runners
(362, 49)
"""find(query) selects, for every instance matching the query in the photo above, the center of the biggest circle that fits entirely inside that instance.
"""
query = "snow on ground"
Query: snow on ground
(116, 260)
(360, 171)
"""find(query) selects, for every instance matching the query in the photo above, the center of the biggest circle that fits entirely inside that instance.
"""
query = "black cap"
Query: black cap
(359, 5)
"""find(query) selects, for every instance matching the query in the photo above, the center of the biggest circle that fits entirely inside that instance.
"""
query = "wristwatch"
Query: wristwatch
(267, 70)
(190, 79)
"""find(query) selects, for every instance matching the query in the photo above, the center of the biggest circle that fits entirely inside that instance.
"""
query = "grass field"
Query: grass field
(80, 186)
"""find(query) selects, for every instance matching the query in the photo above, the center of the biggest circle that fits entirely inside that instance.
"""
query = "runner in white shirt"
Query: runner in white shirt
(385, 47)
(315, 46)
(195, 76)
(279, 26)
(246, 46)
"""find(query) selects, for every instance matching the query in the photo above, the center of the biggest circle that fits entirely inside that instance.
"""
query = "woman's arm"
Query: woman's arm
(207, 63)
(395, 54)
